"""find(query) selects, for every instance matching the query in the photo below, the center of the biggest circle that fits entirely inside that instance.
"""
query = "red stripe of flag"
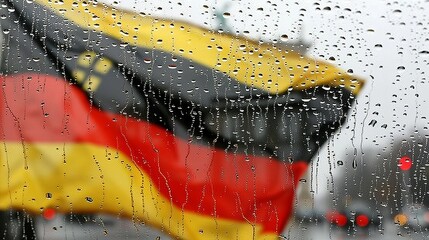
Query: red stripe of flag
(195, 177)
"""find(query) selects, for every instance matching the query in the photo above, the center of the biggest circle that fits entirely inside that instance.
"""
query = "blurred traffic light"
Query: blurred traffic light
(405, 163)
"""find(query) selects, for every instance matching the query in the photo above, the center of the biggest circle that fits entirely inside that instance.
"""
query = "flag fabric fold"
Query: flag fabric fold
(201, 134)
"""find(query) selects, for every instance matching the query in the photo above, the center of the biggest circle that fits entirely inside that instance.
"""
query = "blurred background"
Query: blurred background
(370, 181)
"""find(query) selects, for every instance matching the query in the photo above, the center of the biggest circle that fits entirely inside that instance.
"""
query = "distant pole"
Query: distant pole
(405, 164)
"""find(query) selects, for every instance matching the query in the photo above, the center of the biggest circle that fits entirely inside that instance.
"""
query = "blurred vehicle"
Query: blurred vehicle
(358, 217)
(415, 216)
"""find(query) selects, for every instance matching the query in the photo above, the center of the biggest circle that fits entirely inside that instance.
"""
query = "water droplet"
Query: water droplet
(172, 66)
(49, 195)
(424, 53)
(326, 87)
(89, 199)
(284, 37)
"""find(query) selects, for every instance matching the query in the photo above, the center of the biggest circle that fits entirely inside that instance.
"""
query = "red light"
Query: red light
(405, 163)
(341, 220)
(337, 218)
(362, 220)
(49, 214)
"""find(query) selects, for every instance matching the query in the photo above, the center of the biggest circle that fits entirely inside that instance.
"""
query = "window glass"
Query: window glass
(213, 119)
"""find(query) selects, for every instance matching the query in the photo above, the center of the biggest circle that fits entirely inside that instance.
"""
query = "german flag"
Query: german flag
(202, 134)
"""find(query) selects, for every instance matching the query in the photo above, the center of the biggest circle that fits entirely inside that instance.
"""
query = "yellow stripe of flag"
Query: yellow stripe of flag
(86, 178)
(262, 66)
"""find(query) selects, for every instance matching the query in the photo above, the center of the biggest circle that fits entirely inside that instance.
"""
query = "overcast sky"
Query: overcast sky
(385, 42)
